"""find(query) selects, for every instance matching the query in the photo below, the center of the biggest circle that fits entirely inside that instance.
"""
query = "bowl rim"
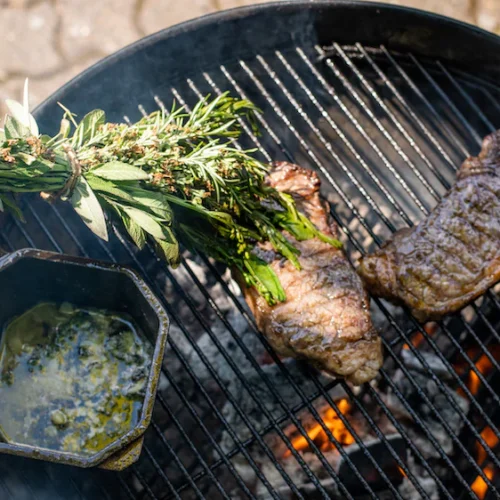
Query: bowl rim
(37, 452)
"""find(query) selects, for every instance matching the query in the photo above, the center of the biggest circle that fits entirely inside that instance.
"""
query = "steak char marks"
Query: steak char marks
(326, 317)
(453, 256)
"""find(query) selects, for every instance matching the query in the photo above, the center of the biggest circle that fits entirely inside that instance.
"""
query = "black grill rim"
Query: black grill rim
(345, 21)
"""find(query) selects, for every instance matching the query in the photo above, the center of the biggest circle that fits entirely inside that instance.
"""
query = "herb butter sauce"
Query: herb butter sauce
(71, 379)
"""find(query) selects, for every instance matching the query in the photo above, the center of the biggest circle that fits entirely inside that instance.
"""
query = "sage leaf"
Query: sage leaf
(135, 231)
(23, 116)
(265, 275)
(168, 248)
(118, 171)
(155, 201)
(87, 128)
(89, 209)
(101, 185)
(15, 129)
(145, 221)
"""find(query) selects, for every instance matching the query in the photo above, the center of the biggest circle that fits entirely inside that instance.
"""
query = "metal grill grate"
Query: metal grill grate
(386, 132)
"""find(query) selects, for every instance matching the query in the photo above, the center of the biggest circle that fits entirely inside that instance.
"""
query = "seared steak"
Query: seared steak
(453, 256)
(326, 317)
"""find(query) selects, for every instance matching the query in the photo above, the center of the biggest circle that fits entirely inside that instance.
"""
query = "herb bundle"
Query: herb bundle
(174, 176)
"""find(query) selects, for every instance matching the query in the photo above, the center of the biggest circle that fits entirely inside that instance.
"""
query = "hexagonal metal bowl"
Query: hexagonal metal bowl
(30, 276)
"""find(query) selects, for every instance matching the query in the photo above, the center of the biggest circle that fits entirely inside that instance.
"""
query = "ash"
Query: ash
(254, 395)
(407, 489)
(441, 403)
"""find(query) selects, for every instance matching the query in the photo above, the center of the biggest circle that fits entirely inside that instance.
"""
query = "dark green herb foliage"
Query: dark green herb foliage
(175, 177)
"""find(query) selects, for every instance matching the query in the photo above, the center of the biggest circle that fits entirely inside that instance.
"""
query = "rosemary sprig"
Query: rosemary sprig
(175, 177)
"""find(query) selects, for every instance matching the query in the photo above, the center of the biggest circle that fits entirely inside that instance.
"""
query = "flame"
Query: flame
(479, 487)
(490, 439)
(419, 337)
(483, 365)
(333, 422)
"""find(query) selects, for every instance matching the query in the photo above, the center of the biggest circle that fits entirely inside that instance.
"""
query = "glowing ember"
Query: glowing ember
(490, 439)
(479, 487)
(401, 471)
(333, 422)
(419, 337)
(483, 365)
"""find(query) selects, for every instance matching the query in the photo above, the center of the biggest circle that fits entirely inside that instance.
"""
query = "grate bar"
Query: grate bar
(348, 425)
(421, 359)
(427, 104)
(177, 461)
(409, 110)
(445, 98)
(373, 93)
(366, 109)
(270, 386)
(160, 472)
(395, 120)
(285, 371)
(338, 131)
(466, 96)
(365, 136)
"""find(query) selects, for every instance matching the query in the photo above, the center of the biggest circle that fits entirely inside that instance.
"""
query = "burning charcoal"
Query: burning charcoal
(436, 364)
(253, 409)
(376, 448)
(424, 412)
(358, 458)
(407, 489)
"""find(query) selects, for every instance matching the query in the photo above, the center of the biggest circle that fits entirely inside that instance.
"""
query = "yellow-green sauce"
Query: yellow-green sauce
(71, 379)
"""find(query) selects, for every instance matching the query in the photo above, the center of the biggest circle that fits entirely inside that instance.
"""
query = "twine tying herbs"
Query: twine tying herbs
(76, 171)
(173, 177)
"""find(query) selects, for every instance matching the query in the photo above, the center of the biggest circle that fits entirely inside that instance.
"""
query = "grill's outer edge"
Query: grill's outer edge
(190, 47)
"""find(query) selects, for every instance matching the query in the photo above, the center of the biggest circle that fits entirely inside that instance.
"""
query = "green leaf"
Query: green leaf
(87, 128)
(100, 185)
(12, 206)
(169, 248)
(265, 275)
(45, 138)
(22, 115)
(118, 171)
(135, 231)
(154, 200)
(15, 129)
(65, 128)
(26, 158)
(88, 208)
(145, 221)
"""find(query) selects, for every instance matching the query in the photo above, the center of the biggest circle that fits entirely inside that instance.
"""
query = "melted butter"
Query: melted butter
(71, 379)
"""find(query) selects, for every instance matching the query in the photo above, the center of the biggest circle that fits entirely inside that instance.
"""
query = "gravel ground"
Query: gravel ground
(50, 41)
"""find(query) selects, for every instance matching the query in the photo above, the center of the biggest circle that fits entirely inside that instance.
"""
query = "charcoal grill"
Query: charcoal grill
(385, 103)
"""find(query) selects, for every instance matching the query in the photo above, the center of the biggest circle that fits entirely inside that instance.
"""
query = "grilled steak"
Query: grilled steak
(453, 256)
(326, 317)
